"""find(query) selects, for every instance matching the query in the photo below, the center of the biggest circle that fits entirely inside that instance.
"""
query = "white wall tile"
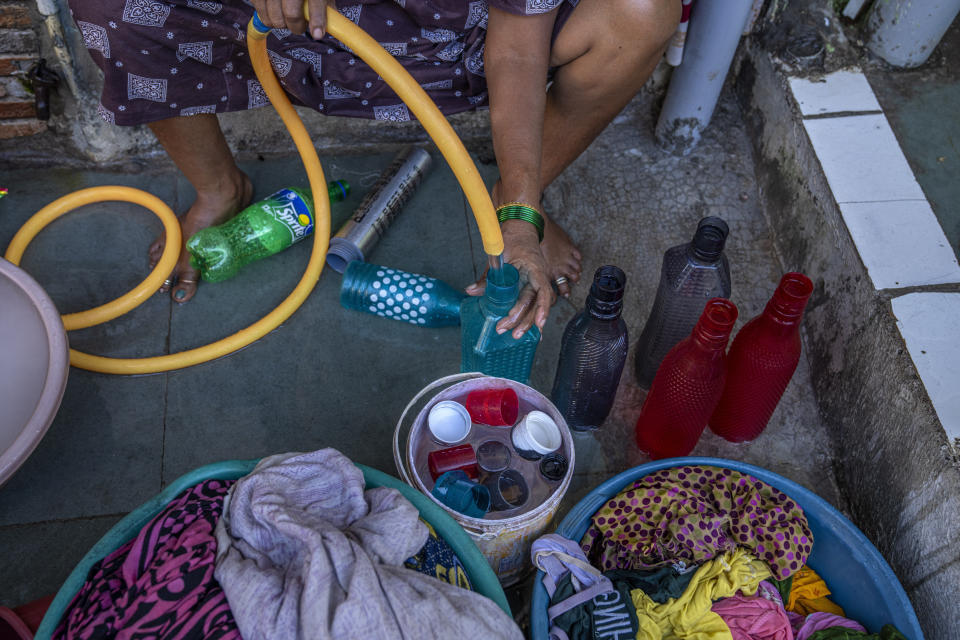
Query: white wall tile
(901, 243)
(862, 159)
(929, 323)
(839, 91)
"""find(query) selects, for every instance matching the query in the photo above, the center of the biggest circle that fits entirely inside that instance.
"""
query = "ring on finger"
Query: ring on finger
(562, 280)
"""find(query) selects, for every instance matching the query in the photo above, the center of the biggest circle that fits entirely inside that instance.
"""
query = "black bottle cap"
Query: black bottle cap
(606, 292)
(710, 237)
(554, 466)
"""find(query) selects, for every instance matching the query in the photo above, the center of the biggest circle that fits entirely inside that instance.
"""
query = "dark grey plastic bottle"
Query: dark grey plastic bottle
(691, 274)
(592, 354)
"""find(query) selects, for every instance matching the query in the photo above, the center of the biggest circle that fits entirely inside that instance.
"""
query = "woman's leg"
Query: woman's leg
(197, 146)
(603, 56)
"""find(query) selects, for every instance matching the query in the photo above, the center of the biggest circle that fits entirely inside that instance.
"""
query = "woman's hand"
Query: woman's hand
(288, 14)
(522, 250)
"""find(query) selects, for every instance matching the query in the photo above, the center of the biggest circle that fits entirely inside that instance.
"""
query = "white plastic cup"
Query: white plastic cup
(449, 422)
(536, 435)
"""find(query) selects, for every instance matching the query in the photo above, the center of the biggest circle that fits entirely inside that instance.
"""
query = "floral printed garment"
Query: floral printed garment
(185, 57)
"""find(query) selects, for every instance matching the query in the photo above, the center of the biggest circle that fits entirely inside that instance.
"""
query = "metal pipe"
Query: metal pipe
(712, 39)
(495, 262)
(381, 205)
(905, 32)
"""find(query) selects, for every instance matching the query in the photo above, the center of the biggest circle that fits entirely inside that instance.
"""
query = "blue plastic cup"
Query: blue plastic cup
(455, 490)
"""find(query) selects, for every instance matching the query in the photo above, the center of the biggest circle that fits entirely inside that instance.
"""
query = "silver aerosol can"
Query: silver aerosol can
(381, 205)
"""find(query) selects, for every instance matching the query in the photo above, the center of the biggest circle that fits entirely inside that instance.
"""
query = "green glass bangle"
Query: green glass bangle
(517, 211)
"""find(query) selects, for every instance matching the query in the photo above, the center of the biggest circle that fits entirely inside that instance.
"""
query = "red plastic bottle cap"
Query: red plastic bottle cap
(460, 457)
(494, 407)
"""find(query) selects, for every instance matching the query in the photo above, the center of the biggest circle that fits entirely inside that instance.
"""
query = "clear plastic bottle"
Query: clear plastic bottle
(482, 348)
(262, 229)
(761, 362)
(687, 386)
(691, 274)
(592, 354)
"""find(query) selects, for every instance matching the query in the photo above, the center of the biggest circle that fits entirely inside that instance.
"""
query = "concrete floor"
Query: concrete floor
(331, 377)
(922, 106)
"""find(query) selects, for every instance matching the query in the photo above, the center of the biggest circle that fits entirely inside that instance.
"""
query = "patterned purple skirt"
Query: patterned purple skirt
(185, 57)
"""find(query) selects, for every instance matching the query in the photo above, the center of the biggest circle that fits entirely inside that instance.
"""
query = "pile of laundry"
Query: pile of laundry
(694, 552)
(297, 549)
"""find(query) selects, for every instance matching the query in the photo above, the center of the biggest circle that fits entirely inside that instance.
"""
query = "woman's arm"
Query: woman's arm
(516, 60)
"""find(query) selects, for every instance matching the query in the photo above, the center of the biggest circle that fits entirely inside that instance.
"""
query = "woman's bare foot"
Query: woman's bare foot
(210, 208)
(562, 256)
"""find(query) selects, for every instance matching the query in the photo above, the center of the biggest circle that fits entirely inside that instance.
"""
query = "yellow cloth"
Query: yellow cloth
(689, 617)
(808, 594)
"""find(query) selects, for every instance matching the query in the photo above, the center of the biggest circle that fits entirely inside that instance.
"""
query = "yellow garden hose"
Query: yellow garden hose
(142, 291)
(429, 116)
(370, 51)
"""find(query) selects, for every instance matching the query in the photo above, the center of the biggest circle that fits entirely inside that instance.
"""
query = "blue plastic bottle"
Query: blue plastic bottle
(483, 349)
(407, 297)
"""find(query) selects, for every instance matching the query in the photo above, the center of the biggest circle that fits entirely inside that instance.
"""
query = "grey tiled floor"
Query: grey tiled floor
(331, 377)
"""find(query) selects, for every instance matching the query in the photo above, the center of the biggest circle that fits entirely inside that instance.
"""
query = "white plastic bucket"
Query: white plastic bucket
(504, 539)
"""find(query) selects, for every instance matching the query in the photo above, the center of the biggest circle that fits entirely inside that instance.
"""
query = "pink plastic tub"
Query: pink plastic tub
(34, 359)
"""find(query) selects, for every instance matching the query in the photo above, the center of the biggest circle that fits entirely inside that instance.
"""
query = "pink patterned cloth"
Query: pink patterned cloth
(754, 618)
(822, 620)
(159, 585)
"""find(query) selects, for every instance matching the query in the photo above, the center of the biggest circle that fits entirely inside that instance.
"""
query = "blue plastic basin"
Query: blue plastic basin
(860, 579)
(482, 578)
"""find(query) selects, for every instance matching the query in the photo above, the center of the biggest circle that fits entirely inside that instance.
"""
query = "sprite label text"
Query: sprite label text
(289, 209)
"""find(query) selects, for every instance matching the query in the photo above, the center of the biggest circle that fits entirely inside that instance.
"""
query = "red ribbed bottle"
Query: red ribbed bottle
(761, 362)
(687, 386)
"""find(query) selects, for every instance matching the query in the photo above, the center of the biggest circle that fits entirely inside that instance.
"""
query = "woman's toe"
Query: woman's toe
(156, 250)
(186, 286)
(167, 284)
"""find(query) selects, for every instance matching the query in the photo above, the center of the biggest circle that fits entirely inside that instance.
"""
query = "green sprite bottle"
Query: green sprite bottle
(262, 229)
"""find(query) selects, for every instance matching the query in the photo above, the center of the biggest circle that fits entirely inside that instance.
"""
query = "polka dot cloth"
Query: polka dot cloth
(691, 514)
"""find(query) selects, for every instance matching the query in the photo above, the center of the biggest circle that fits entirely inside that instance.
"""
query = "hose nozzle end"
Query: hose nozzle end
(258, 24)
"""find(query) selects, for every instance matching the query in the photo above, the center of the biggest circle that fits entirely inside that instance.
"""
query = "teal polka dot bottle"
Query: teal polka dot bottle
(398, 295)
(482, 348)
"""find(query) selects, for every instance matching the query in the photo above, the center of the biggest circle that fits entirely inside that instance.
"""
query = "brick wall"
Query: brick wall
(19, 51)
